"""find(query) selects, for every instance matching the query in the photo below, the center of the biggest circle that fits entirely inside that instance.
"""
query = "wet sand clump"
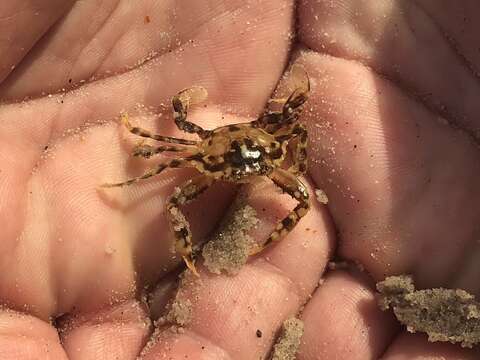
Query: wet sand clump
(229, 248)
(179, 310)
(321, 196)
(451, 315)
(288, 343)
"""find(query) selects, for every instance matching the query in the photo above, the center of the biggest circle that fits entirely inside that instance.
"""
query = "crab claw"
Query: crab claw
(299, 79)
(193, 95)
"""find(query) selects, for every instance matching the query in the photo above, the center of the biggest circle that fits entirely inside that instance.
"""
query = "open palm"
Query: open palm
(393, 123)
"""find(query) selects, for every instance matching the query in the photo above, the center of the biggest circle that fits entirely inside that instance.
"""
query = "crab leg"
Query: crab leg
(175, 163)
(292, 186)
(300, 157)
(181, 103)
(147, 134)
(147, 151)
(181, 229)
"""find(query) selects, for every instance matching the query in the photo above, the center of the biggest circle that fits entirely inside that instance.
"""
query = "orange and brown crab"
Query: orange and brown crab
(234, 153)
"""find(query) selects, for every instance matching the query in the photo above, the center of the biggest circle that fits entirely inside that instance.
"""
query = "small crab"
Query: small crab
(234, 153)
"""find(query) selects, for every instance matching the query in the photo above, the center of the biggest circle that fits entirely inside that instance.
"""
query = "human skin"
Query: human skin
(393, 118)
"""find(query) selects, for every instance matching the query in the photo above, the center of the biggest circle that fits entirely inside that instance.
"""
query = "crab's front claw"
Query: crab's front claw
(193, 95)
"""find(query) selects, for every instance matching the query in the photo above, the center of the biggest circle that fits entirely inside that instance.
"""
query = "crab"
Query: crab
(234, 153)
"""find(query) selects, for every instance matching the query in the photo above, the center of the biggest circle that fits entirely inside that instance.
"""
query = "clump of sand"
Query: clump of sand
(230, 245)
(321, 196)
(444, 314)
(180, 312)
(179, 309)
(288, 343)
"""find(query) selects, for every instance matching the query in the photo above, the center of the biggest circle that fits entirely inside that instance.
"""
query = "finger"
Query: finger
(343, 321)
(205, 39)
(34, 18)
(416, 347)
(458, 22)
(228, 313)
(118, 332)
(26, 337)
(384, 37)
(384, 172)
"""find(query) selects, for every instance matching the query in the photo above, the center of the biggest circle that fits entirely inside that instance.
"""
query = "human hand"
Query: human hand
(84, 257)
(395, 134)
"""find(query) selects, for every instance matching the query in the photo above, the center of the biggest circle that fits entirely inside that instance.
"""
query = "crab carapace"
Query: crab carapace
(233, 153)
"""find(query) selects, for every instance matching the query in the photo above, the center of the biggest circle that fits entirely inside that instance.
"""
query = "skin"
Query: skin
(394, 127)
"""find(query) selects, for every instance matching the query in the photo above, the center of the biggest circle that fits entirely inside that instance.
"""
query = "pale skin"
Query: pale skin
(388, 83)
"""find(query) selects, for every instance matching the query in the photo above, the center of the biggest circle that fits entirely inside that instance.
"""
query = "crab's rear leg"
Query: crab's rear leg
(175, 163)
(180, 227)
(181, 102)
(294, 187)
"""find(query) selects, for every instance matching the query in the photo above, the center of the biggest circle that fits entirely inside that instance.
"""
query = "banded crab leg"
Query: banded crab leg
(174, 163)
(180, 227)
(294, 187)
(299, 166)
(146, 151)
